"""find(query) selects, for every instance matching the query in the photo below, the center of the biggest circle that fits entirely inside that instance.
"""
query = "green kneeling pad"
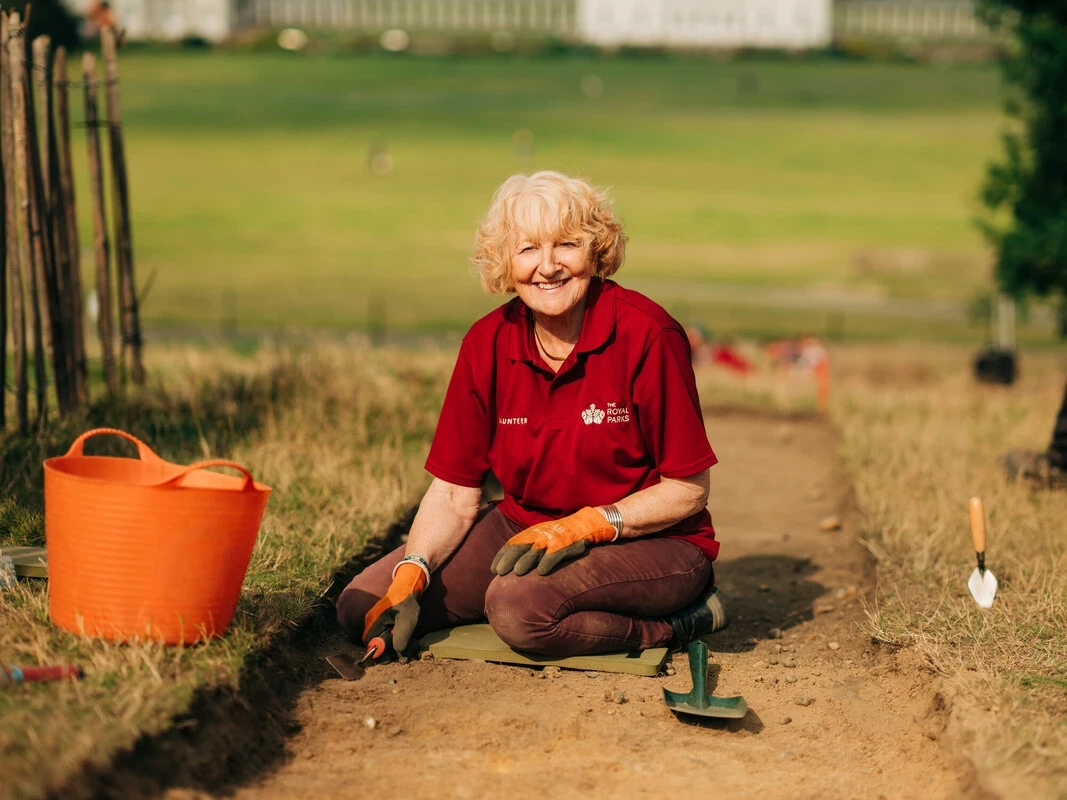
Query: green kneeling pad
(30, 562)
(481, 642)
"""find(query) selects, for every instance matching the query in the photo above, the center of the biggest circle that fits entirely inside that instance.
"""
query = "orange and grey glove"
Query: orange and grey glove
(545, 545)
(399, 609)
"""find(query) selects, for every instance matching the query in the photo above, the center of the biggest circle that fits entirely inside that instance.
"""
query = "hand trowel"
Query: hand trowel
(352, 670)
(982, 583)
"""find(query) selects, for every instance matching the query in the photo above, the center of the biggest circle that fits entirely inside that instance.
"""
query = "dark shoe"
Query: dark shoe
(1034, 468)
(705, 616)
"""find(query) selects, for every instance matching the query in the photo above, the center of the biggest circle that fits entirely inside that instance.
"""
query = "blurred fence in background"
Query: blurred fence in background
(555, 17)
(792, 24)
(924, 19)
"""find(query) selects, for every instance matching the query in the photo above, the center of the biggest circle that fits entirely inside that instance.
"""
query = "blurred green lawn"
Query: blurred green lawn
(251, 187)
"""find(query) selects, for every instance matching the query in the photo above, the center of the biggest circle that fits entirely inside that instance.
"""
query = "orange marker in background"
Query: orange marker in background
(822, 382)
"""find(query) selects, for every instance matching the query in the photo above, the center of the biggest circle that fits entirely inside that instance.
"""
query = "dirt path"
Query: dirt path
(463, 729)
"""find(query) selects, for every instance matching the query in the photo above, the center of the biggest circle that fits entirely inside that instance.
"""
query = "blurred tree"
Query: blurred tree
(48, 17)
(1029, 181)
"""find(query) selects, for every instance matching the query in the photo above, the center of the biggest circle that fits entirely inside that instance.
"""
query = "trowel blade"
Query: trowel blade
(346, 666)
(983, 586)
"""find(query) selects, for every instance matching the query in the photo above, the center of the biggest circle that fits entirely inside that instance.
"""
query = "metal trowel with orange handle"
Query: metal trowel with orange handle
(352, 670)
(982, 583)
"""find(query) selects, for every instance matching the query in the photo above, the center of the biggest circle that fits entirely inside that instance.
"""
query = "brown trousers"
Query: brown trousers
(614, 598)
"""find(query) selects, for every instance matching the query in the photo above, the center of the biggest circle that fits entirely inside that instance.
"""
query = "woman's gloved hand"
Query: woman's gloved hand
(545, 545)
(399, 609)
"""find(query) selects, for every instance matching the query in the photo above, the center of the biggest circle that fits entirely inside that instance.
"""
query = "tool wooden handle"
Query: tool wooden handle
(977, 514)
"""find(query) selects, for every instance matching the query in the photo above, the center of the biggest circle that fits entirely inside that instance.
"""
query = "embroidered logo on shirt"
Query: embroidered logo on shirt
(617, 413)
(511, 421)
(593, 415)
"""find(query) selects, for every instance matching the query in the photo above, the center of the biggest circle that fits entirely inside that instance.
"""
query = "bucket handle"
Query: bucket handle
(77, 449)
(217, 462)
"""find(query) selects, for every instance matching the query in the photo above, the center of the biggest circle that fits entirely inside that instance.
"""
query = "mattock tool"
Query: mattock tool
(982, 583)
(350, 669)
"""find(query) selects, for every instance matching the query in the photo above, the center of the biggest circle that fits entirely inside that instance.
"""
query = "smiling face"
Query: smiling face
(551, 275)
(550, 266)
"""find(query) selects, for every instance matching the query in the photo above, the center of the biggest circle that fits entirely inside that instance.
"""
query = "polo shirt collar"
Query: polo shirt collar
(597, 326)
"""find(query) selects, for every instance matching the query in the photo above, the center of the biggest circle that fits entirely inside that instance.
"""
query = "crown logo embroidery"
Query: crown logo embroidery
(593, 415)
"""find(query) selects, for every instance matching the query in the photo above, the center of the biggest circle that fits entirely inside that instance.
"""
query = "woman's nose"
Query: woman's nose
(547, 265)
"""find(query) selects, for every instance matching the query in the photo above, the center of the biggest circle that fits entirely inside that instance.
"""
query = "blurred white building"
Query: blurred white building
(792, 24)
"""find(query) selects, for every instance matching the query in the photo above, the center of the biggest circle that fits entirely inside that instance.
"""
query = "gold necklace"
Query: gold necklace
(545, 349)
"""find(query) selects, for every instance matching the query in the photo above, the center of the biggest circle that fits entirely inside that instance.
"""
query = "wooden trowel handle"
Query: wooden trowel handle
(977, 513)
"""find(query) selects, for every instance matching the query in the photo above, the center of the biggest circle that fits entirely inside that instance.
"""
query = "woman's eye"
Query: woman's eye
(568, 244)
(528, 248)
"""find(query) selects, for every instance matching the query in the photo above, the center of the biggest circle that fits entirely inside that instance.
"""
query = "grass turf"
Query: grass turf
(255, 205)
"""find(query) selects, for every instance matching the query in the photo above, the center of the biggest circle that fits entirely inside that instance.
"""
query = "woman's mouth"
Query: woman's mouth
(548, 287)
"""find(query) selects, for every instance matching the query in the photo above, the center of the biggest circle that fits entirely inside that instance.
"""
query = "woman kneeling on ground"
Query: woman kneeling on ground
(579, 395)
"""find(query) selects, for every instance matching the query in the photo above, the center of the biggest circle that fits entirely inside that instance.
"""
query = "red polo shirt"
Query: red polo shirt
(621, 413)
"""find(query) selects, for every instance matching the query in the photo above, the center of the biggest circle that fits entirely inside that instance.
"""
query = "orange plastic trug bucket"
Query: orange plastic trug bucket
(146, 549)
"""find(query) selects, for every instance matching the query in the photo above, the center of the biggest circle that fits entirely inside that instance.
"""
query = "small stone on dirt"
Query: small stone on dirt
(778, 648)
(789, 663)
(670, 670)
(834, 646)
(551, 671)
(775, 633)
(828, 524)
(804, 701)
(760, 665)
(593, 675)
(370, 723)
(773, 661)
(786, 720)
(530, 673)
(790, 678)
(425, 655)
(764, 587)
(391, 681)
(618, 697)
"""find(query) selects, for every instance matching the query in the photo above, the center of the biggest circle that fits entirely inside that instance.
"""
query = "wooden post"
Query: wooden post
(129, 317)
(65, 192)
(23, 178)
(100, 243)
(53, 228)
(18, 292)
(3, 240)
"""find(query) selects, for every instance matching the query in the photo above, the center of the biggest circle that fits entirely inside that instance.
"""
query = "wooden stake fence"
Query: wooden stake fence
(40, 256)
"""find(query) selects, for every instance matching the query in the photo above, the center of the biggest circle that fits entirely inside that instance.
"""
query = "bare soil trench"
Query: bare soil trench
(832, 715)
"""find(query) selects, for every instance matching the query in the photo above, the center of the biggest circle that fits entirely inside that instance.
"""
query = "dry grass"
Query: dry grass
(339, 433)
(920, 437)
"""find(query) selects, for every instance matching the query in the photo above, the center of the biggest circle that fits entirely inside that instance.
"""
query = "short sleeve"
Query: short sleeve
(460, 450)
(668, 408)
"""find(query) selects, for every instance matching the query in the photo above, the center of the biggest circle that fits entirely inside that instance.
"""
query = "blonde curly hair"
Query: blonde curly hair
(546, 206)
